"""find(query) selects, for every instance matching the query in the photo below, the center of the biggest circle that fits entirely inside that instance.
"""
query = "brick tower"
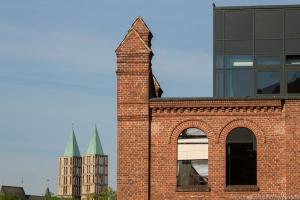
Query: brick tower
(69, 174)
(136, 85)
(94, 168)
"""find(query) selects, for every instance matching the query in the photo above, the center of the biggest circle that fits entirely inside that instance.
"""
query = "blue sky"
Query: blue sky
(57, 67)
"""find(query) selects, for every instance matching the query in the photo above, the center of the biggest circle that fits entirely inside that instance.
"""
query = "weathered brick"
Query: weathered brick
(148, 129)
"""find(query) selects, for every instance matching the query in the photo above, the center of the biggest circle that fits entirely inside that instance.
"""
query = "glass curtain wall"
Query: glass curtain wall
(256, 51)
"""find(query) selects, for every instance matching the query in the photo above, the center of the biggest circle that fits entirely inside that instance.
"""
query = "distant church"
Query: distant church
(81, 176)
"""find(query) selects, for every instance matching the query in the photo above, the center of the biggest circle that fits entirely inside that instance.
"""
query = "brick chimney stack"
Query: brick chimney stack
(135, 86)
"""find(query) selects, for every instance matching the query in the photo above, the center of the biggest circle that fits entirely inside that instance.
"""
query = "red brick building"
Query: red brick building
(149, 127)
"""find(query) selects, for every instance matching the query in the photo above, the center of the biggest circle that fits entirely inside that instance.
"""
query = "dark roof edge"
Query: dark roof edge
(256, 7)
(222, 99)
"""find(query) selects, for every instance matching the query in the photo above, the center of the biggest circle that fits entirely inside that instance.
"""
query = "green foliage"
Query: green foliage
(49, 196)
(69, 198)
(55, 198)
(107, 194)
(8, 197)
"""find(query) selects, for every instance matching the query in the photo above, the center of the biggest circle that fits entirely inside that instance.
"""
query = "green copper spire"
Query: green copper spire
(72, 146)
(95, 147)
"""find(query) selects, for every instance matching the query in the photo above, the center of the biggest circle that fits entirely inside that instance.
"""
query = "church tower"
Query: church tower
(70, 170)
(94, 168)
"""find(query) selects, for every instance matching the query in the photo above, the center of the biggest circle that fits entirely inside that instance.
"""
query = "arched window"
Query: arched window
(241, 157)
(192, 159)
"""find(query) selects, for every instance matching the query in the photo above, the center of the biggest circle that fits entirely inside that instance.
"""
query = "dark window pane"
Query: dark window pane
(241, 164)
(268, 82)
(292, 46)
(219, 83)
(268, 60)
(239, 47)
(293, 82)
(219, 24)
(241, 135)
(268, 23)
(241, 157)
(239, 24)
(293, 59)
(239, 83)
(219, 47)
(292, 25)
(219, 62)
(268, 46)
(238, 61)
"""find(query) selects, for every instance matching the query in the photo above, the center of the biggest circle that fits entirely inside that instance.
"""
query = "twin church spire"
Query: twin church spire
(94, 148)
(82, 176)
(72, 149)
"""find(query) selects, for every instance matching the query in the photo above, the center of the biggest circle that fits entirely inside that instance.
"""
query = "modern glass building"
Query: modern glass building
(257, 51)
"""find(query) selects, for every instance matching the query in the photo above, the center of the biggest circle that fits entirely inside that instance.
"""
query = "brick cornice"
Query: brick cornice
(214, 106)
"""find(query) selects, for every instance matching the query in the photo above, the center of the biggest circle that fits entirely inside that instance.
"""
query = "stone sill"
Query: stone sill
(242, 188)
(198, 188)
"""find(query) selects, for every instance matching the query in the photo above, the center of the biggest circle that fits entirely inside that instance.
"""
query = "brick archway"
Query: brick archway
(221, 143)
(241, 123)
(195, 123)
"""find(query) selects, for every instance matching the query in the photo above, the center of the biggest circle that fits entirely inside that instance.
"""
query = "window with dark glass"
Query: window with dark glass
(239, 83)
(268, 46)
(219, 61)
(293, 59)
(219, 83)
(192, 159)
(254, 49)
(234, 47)
(238, 76)
(219, 25)
(269, 23)
(241, 157)
(293, 82)
(239, 24)
(292, 27)
(268, 60)
(268, 82)
(238, 61)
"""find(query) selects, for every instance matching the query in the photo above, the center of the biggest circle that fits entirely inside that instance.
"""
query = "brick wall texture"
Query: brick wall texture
(149, 126)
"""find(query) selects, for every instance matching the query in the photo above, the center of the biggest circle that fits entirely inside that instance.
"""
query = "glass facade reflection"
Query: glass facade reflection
(293, 82)
(268, 60)
(293, 59)
(268, 82)
(256, 51)
(238, 61)
(239, 82)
